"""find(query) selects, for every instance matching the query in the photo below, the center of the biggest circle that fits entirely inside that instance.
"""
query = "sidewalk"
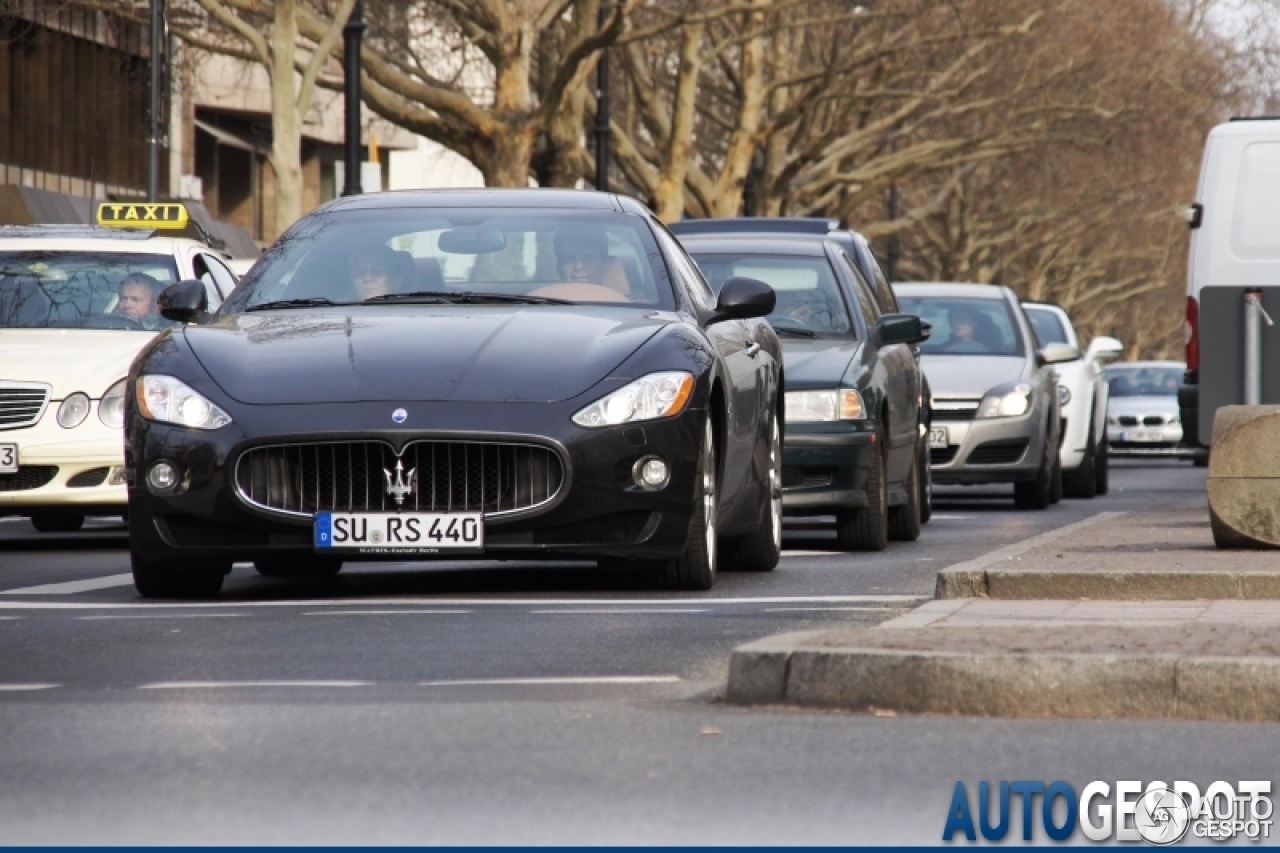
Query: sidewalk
(1206, 647)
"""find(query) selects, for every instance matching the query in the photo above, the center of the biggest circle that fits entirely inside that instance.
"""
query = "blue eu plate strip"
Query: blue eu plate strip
(324, 530)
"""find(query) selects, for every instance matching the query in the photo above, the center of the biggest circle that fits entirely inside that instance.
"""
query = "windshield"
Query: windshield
(965, 326)
(1161, 381)
(455, 255)
(83, 290)
(809, 298)
(1047, 325)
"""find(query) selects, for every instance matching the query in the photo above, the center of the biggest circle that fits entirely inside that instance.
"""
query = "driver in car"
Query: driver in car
(376, 271)
(964, 329)
(582, 257)
(137, 300)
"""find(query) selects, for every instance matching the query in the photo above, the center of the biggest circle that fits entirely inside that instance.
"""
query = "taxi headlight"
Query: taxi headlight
(73, 410)
(170, 401)
(837, 404)
(111, 406)
(1007, 401)
(658, 395)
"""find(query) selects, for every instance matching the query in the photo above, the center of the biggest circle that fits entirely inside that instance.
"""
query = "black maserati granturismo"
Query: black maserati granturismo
(480, 374)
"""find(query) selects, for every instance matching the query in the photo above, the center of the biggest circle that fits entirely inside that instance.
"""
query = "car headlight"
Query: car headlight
(838, 404)
(1007, 401)
(111, 406)
(73, 411)
(165, 399)
(658, 395)
(1064, 395)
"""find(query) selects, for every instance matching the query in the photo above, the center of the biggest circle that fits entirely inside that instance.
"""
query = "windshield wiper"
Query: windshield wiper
(306, 302)
(794, 332)
(467, 297)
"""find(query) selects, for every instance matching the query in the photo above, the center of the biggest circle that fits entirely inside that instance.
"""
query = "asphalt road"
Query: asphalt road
(513, 703)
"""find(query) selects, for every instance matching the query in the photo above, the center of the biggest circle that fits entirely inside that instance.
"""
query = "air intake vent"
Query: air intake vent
(1003, 452)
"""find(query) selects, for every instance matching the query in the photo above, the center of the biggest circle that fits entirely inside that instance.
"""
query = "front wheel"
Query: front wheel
(868, 529)
(1038, 493)
(925, 466)
(695, 569)
(761, 551)
(904, 521)
(1083, 482)
(1102, 468)
(154, 578)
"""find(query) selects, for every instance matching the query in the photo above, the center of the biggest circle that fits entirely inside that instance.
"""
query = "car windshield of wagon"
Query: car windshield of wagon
(420, 254)
(1144, 381)
(966, 325)
(83, 290)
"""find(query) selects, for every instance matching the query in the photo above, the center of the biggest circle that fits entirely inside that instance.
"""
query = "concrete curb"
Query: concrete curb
(789, 670)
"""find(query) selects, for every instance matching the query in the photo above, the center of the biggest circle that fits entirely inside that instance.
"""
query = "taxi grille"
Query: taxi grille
(362, 476)
(21, 403)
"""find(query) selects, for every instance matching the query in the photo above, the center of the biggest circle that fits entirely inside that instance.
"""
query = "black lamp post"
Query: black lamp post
(352, 36)
(156, 130)
(602, 131)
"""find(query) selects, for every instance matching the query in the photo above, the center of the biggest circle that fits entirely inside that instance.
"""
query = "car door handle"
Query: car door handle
(753, 349)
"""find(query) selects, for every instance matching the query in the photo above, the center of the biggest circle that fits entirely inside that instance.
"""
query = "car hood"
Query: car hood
(1142, 405)
(88, 360)
(397, 353)
(812, 364)
(970, 376)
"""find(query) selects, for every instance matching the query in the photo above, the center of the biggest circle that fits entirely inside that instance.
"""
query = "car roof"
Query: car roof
(756, 225)
(522, 197)
(954, 289)
(753, 244)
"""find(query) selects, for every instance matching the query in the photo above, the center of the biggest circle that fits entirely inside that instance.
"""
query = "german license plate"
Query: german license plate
(1141, 435)
(938, 437)
(8, 458)
(399, 533)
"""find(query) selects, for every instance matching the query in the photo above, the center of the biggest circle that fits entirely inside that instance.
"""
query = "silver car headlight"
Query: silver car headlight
(1007, 401)
(837, 404)
(658, 395)
(171, 401)
(1064, 395)
(111, 406)
(73, 411)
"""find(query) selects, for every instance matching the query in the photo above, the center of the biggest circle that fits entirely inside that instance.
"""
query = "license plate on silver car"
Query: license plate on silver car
(398, 533)
(8, 458)
(1142, 435)
(938, 437)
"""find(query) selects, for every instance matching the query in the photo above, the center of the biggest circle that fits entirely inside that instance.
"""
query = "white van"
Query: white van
(1235, 243)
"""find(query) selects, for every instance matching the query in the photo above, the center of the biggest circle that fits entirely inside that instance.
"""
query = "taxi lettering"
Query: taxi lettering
(154, 214)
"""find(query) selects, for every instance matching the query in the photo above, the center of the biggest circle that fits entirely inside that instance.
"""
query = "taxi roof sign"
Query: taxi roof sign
(139, 214)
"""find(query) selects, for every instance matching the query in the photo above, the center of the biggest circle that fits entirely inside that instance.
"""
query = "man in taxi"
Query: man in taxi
(137, 299)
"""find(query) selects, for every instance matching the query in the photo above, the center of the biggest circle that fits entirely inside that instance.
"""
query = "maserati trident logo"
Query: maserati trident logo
(400, 486)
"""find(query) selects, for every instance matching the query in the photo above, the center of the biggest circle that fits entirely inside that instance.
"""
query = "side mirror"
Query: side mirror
(742, 298)
(1058, 353)
(183, 302)
(901, 329)
(1103, 348)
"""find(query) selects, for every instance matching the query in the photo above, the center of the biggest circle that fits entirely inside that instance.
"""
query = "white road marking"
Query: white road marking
(72, 587)
(160, 616)
(600, 679)
(213, 685)
(786, 552)
(705, 601)
(632, 610)
(939, 516)
(19, 687)
(386, 612)
(821, 609)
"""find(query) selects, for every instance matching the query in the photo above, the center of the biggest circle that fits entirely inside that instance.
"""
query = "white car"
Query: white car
(1082, 393)
(68, 334)
(1143, 417)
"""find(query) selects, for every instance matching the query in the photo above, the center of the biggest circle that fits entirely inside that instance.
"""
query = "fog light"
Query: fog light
(162, 477)
(651, 473)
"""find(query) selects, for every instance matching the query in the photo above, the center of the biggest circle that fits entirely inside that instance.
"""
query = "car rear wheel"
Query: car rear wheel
(1037, 493)
(1083, 482)
(695, 569)
(761, 551)
(904, 521)
(297, 566)
(868, 529)
(154, 578)
(52, 522)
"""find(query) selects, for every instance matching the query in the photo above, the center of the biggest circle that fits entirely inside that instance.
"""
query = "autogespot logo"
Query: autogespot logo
(1158, 814)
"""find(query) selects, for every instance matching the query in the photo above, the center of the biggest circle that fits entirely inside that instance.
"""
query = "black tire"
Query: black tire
(925, 468)
(1037, 493)
(298, 566)
(904, 521)
(1102, 468)
(695, 569)
(1055, 479)
(761, 551)
(868, 529)
(53, 522)
(1083, 482)
(176, 578)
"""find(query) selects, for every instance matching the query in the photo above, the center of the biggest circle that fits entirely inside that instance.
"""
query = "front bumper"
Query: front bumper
(825, 468)
(1166, 440)
(76, 470)
(598, 512)
(994, 450)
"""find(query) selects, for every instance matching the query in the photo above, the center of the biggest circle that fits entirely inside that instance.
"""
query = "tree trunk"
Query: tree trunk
(286, 130)
(668, 195)
(508, 160)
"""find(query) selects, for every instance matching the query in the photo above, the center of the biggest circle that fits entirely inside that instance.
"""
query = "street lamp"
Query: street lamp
(352, 36)
(602, 131)
(156, 129)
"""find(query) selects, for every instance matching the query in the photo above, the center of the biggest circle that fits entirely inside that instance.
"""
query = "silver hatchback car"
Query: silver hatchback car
(995, 396)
